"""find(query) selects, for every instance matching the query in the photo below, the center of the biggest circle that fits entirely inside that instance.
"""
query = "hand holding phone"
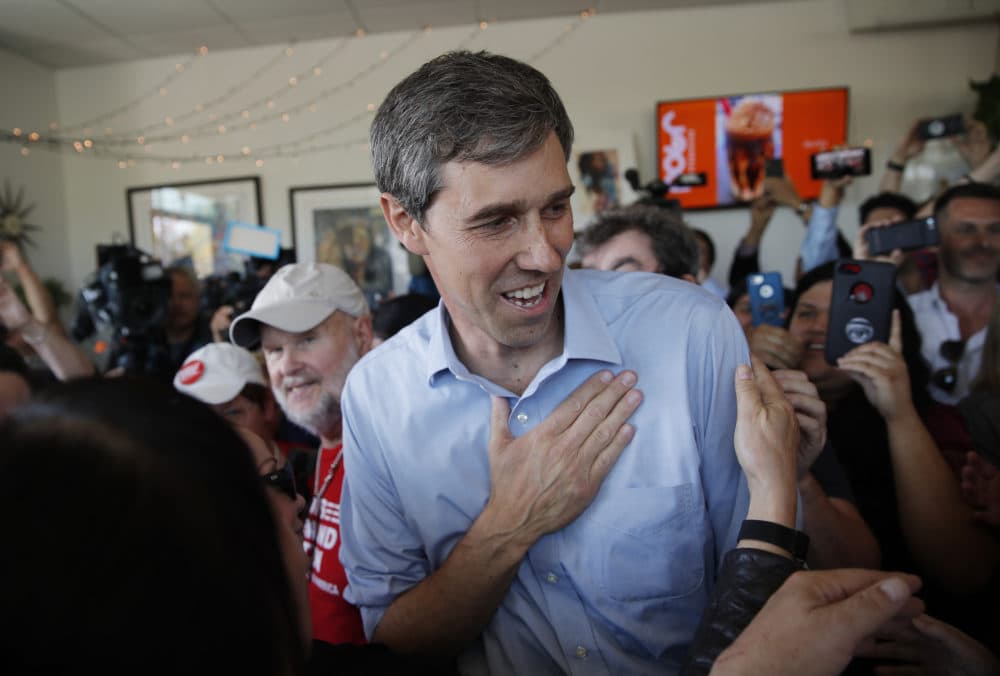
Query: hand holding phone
(905, 236)
(832, 164)
(860, 306)
(767, 298)
(940, 127)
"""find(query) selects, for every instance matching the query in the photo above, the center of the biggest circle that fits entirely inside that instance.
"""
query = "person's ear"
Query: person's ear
(363, 334)
(404, 226)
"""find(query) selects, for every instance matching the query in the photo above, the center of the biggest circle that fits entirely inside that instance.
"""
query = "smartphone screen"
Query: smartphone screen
(861, 306)
(838, 163)
(767, 298)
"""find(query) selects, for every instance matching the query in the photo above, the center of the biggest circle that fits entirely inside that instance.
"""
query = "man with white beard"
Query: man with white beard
(312, 323)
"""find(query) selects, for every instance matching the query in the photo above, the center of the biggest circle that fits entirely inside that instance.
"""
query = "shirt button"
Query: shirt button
(522, 418)
(551, 578)
(581, 652)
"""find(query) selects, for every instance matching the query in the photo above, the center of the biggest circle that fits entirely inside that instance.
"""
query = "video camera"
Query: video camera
(128, 295)
(656, 190)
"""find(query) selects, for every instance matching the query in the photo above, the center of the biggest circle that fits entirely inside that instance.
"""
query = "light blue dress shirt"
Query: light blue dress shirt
(820, 243)
(619, 590)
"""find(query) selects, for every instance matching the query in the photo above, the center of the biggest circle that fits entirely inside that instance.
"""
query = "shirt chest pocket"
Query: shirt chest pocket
(652, 543)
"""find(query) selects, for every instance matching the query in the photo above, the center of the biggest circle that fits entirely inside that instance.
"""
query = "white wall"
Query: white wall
(610, 72)
(29, 94)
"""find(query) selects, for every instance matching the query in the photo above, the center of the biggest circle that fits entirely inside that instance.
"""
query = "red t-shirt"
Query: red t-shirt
(334, 619)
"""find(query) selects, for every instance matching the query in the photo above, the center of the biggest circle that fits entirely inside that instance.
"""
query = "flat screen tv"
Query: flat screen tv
(733, 140)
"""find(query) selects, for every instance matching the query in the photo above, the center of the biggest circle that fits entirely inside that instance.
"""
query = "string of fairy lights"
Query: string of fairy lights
(216, 118)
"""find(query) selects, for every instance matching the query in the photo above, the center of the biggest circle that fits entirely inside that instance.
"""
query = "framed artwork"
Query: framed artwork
(343, 225)
(185, 223)
(597, 167)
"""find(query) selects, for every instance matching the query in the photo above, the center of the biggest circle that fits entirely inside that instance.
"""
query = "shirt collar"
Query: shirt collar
(586, 334)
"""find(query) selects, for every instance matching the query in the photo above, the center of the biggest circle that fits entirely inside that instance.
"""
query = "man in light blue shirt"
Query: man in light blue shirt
(496, 506)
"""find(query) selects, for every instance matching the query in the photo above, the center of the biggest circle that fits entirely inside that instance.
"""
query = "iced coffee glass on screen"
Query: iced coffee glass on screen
(749, 142)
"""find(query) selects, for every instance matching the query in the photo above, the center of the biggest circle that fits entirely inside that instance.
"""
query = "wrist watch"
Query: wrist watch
(795, 542)
(803, 209)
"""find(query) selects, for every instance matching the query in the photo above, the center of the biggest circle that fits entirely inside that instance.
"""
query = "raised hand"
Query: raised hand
(778, 348)
(909, 146)
(930, 647)
(860, 245)
(974, 145)
(881, 372)
(812, 625)
(11, 257)
(544, 479)
(766, 441)
(810, 411)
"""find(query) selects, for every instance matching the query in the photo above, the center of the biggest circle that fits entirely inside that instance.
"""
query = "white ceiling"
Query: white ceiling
(72, 33)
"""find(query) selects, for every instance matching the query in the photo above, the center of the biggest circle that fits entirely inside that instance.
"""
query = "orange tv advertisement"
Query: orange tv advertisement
(733, 139)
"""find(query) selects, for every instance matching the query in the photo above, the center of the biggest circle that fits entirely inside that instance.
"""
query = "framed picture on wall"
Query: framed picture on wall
(185, 223)
(597, 167)
(343, 225)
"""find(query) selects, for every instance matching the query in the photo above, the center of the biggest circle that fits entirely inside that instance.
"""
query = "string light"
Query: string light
(288, 149)
(179, 68)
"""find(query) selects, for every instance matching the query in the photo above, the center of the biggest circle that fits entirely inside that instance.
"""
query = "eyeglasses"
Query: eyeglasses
(947, 378)
(282, 480)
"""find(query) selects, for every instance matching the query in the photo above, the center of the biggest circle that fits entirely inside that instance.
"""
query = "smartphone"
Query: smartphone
(906, 236)
(861, 306)
(774, 168)
(691, 179)
(839, 163)
(767, 298)
(939, 127)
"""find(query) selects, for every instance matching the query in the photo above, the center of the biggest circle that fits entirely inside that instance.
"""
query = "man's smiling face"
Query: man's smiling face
(495, 239)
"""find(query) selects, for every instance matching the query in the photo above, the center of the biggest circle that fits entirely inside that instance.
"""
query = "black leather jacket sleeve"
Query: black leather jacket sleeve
(747, 579)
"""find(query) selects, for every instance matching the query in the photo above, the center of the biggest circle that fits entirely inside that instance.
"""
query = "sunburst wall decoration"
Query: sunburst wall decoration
(13, 213)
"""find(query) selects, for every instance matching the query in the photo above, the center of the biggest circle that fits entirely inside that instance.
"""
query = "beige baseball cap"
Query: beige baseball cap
(218, 372)
(297, 298)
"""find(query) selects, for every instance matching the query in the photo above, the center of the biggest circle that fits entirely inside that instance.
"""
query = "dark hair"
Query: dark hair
(709, 244)
(887, 200)
(738, 290)
(915, 364)
(461, 106)
(982, 191)
(12, 362)
(673, 243)
(144, 542)
(256, 394)
(396, 313)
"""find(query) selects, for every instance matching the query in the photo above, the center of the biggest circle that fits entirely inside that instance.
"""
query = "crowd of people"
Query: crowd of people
(605, 467)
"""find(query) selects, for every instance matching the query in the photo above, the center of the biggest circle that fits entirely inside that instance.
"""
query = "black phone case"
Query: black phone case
(864, 168)
(861, 306)
(941, 127)
(905, 236)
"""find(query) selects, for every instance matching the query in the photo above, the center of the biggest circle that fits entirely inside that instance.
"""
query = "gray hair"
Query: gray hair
(674, 245)
(461, 106)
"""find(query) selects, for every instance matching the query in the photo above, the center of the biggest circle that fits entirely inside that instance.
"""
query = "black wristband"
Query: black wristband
(895, 166)
(793, 541)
